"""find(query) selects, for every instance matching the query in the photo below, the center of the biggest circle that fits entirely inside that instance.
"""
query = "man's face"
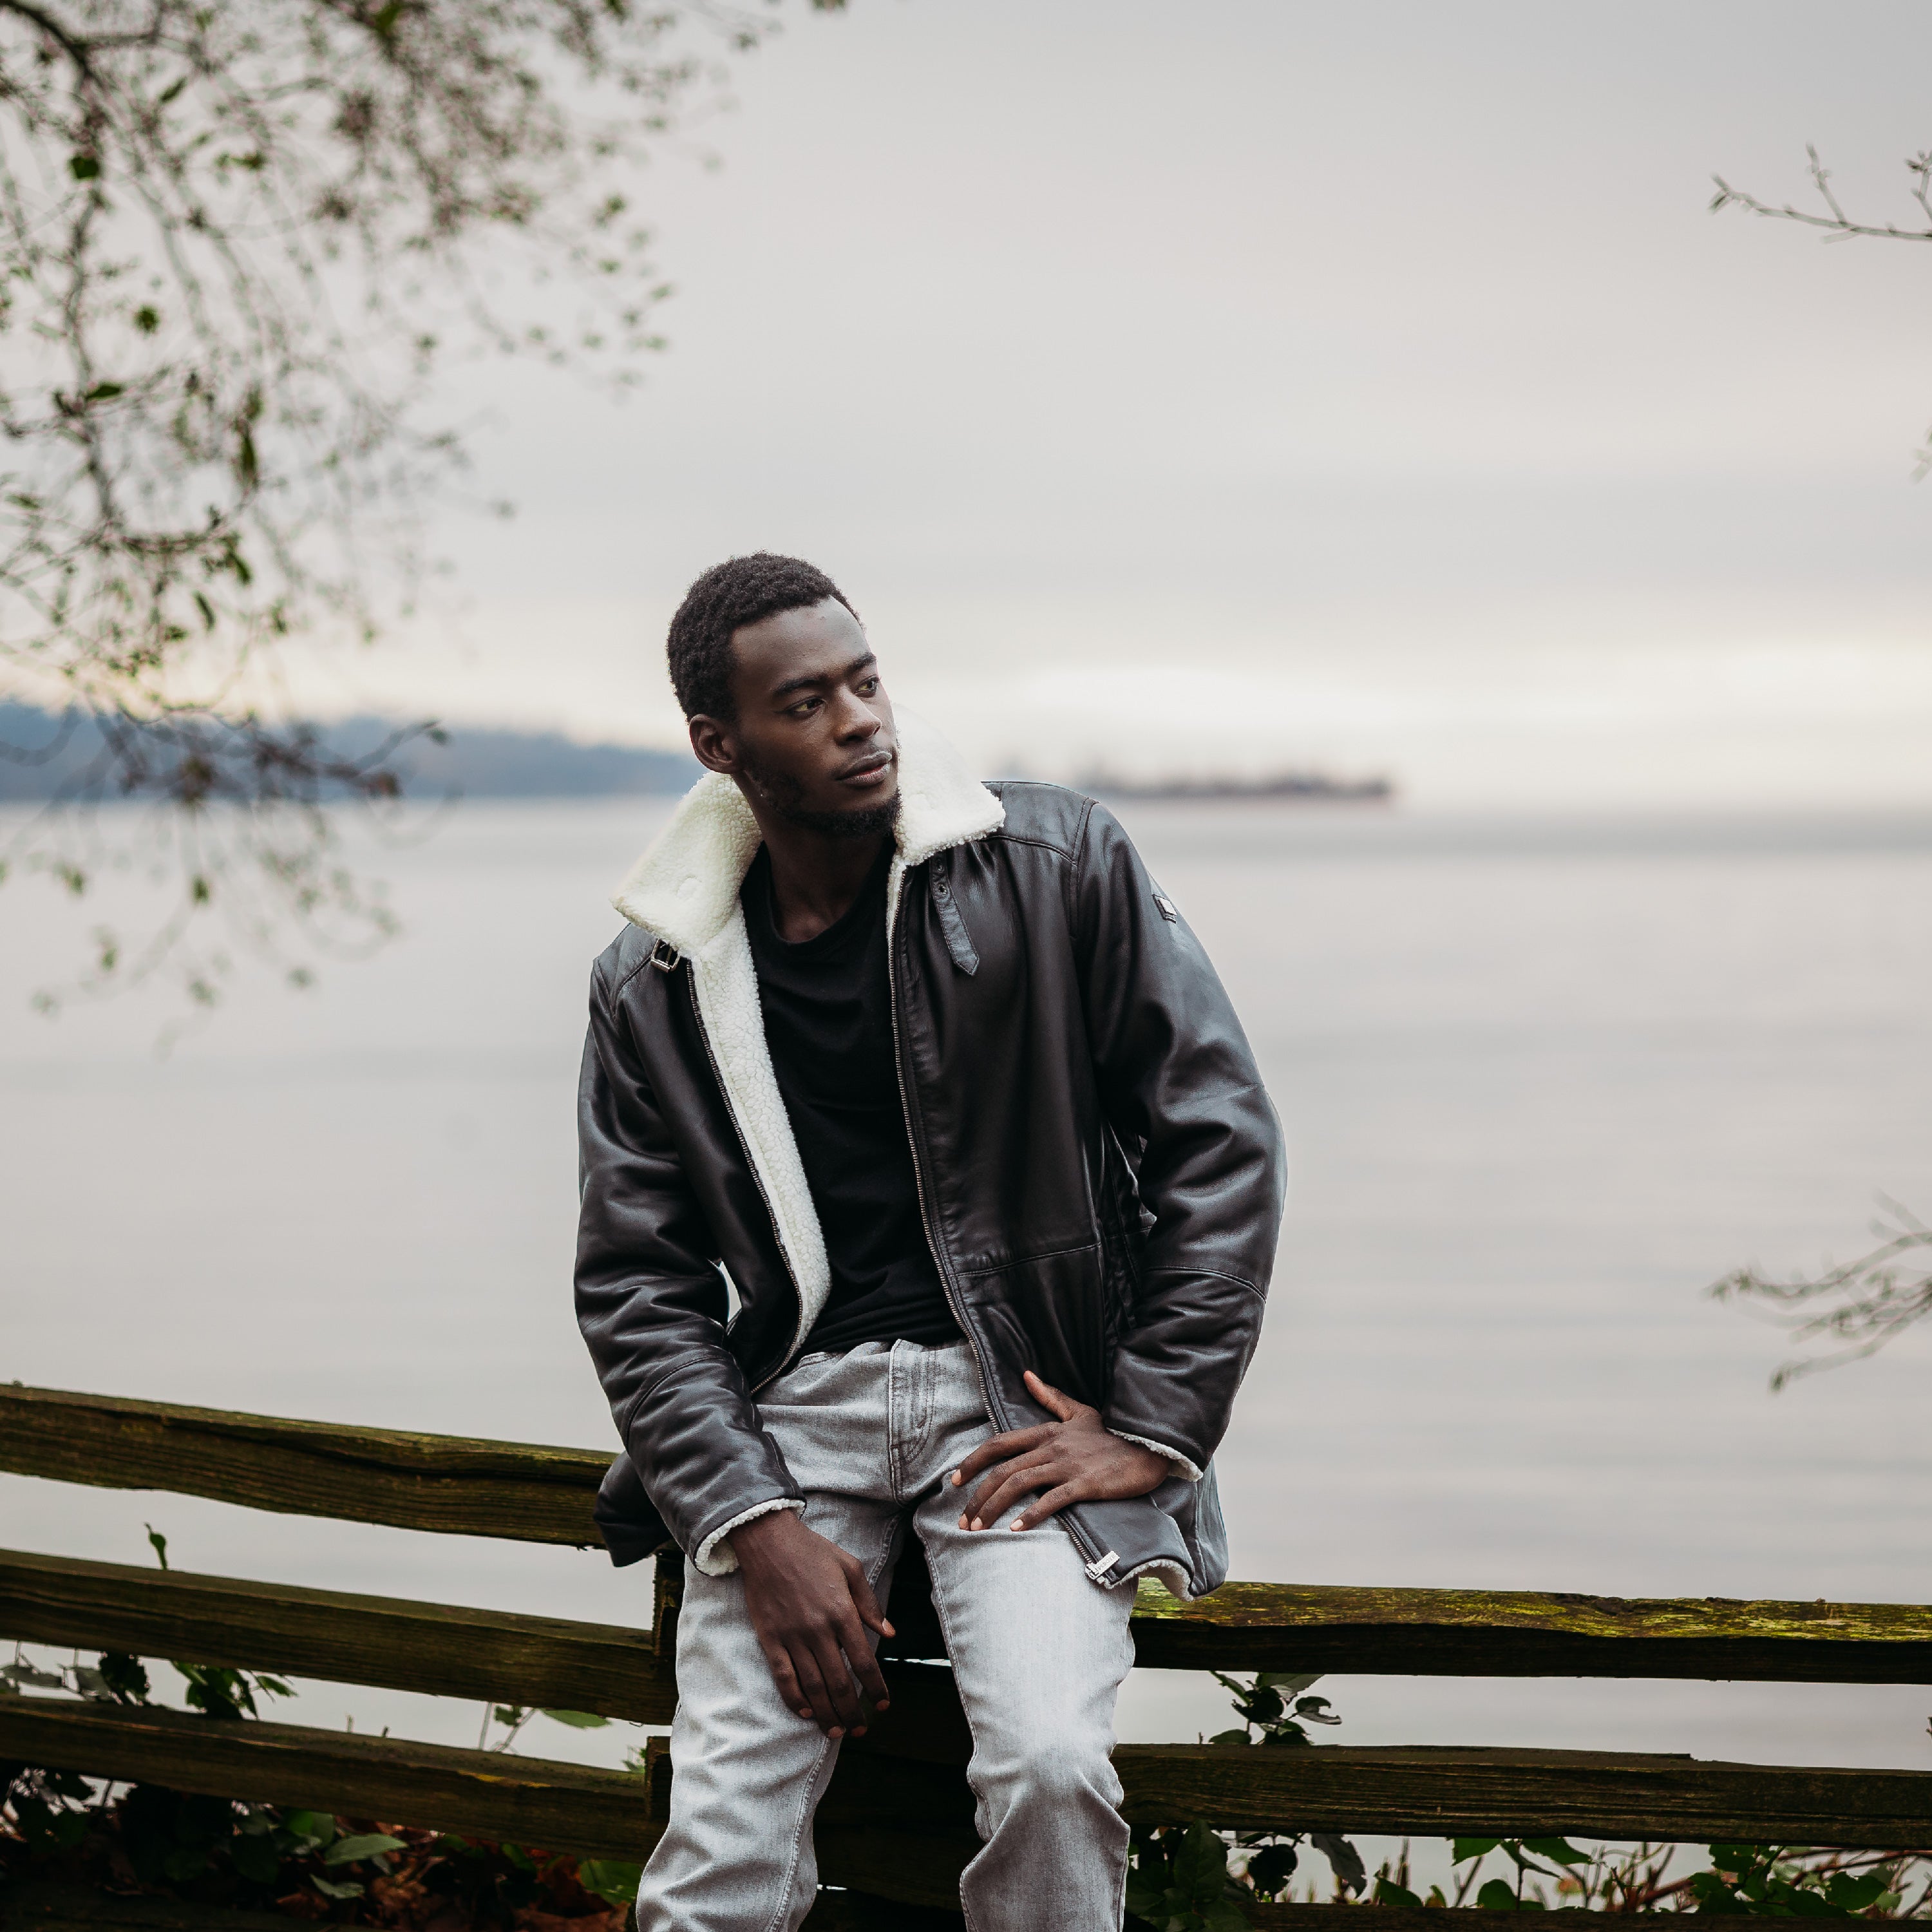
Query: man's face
(813, 740)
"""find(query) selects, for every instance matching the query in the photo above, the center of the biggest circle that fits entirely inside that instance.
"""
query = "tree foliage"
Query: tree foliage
(239, 237)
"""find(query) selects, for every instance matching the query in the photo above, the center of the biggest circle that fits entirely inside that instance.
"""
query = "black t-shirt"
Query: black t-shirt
(829, 1023)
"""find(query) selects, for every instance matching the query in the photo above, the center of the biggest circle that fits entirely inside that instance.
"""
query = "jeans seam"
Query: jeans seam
(894, 1476)
(807, 1811)
(808, 1806)
(979, 1796)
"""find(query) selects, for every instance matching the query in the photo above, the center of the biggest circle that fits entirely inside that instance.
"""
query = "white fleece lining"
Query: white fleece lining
(1173, 1578)
(727, 985)
(1183, 1467)
(714, 1560)
(684, 891)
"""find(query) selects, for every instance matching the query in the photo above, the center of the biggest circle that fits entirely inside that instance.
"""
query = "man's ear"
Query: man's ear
(714, 745)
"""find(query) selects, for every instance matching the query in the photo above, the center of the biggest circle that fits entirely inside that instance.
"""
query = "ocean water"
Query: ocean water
(1544, 1080)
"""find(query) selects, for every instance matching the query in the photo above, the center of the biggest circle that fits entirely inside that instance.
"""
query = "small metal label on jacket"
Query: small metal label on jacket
(1168, 909)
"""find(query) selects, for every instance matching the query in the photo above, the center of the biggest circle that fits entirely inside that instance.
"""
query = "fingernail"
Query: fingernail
(858, 1730)
(883, 1704)
(836, 1731)
(954, 1479)
(977, 1524)
(1017, 1523)
(964, 1524)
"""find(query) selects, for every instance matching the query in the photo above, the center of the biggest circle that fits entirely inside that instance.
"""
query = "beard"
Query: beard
(782, 792)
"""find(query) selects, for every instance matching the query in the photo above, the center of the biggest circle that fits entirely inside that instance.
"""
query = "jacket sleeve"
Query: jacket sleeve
(1184, 1097)
(651, 1303)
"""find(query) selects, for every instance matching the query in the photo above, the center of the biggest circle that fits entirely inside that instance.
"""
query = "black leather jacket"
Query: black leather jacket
(1100, 1171)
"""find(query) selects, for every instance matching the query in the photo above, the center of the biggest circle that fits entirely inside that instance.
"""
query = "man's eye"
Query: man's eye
(870, 685)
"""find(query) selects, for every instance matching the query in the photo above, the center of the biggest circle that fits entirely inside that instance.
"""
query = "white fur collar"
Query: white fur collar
(685, 889)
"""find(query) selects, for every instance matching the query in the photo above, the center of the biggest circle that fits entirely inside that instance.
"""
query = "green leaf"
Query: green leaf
(613, 1880)
(1471, 1848)
(1859, 1893)
(83, 167)
(254, 1856)
(1559, 1850)
(47, 1830)
(1498, 1895)
(102, 392)
(126, 1678)
(160, 1542)
(1200, 1867)
(1344, 1861)
(363, 1845)
(1229, 1738)
(1388, 1892)
(317, 1828)
(1271, 1868)
(330, 1888)
(577, 1720)
(147, 320)
(1290, 1681)
(185, 1862)
(25, 1673)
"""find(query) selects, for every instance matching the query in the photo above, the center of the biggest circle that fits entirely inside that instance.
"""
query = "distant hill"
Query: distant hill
(43, 755)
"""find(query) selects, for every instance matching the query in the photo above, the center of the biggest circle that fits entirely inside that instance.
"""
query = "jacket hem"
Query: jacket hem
(713, 1560)
(1174, 1575)
(1183, 1467)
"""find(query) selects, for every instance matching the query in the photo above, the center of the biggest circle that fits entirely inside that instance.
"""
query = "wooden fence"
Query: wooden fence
(895, 1826)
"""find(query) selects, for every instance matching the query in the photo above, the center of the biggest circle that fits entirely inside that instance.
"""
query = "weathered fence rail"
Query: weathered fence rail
(529, 1493)
(896, 1825)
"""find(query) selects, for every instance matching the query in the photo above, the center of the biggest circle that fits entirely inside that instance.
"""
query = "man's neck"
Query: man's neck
(815, 878)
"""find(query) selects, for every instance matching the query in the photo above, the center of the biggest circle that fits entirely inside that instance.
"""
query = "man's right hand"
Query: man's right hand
(811, 1607)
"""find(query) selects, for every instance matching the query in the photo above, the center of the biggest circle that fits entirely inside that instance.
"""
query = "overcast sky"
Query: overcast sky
(1254, 382)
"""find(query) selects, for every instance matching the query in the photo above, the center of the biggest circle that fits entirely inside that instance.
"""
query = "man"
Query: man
(935, 1079)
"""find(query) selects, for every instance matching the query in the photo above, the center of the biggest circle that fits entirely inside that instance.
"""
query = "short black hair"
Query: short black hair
(742, 590)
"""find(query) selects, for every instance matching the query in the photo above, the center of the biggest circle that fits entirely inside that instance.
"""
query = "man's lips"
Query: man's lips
(869, 771)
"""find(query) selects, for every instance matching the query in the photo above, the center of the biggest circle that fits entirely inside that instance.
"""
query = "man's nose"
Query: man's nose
(857, 719)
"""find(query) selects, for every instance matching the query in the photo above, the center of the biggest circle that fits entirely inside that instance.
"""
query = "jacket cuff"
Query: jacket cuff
(715, 1556)
(1183, 1466)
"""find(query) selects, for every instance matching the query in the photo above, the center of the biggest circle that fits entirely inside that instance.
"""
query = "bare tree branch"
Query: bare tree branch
(1837, 226)
(1868, 1302)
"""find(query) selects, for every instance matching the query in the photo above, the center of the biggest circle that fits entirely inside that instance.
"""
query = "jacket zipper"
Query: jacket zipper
(1090, 1552)
(757, 1179)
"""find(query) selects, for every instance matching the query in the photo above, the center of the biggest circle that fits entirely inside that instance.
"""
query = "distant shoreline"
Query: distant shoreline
(1313, 787)
(44, 756)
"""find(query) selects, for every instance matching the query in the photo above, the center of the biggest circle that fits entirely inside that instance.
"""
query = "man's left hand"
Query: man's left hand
(1073, 1460)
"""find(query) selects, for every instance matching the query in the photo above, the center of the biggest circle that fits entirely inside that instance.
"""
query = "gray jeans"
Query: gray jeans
(1039, 1653)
